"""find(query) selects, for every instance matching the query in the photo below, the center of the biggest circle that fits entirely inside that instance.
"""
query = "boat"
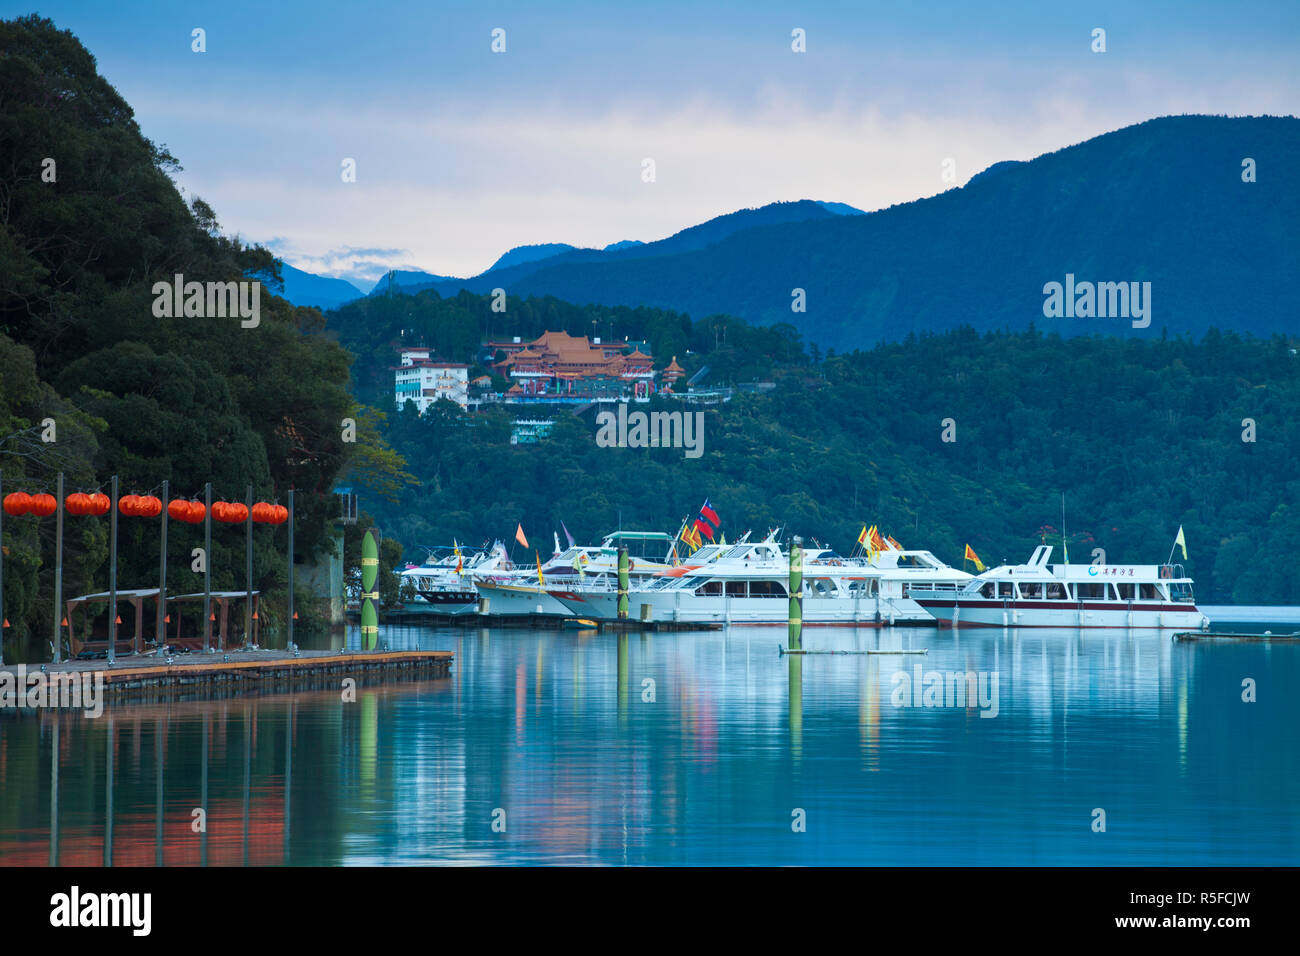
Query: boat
(747, 583)
(1036, 594)
(444, 584)
(508, 591)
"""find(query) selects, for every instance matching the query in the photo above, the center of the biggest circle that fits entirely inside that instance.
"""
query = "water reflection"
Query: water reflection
(689, 748)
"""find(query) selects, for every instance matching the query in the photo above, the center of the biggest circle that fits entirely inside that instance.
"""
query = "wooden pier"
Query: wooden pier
(235, 673)
(1224, 636)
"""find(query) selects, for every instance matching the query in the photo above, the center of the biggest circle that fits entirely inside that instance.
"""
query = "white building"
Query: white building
(423, 379)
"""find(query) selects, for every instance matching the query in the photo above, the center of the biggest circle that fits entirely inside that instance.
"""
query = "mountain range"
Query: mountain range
(1203, 208)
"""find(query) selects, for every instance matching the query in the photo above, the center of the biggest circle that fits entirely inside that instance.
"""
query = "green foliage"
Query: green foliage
(189, 400)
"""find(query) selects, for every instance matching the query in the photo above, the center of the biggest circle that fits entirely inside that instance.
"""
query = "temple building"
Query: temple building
(558, 365)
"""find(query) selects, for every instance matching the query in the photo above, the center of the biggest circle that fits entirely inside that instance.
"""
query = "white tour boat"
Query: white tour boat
(517, 592)
(444, 584)
(1068, 595)
(747, 583)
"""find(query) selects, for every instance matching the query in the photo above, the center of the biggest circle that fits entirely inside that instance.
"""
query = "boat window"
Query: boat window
(1091, 590)
(1004, 589)
(735, 589)
(1147, 591)
(817, 587)
(773, 589)
(710, 587)
(987, 590)
(1125, 590)
(1056, 591)
(1031, 589)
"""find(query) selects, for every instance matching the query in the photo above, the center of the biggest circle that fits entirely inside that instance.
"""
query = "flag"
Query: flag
(557, 541)
(519, 536)
(862, 538)
(894, 544)
(723, 542)
(692, 537)
(877, 542)
(704, 528)
(709, 514)
(541, 582)
(459, 564)
(566, 534)
(972, 556)
(1181, 542)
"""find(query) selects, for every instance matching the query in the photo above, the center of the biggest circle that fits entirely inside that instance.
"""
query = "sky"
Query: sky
(462, 153)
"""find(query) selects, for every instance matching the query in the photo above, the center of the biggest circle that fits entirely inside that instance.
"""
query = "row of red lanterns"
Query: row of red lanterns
(143, 506)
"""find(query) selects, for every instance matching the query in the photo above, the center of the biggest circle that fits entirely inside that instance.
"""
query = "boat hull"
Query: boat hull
(967, 613)
(689, 608)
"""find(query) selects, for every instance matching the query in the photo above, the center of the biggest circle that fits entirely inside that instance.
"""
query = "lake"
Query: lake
(709, 747)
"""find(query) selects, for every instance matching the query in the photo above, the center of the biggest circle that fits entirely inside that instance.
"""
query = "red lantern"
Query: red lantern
(18, 503)
(198, 511)
(100, 503)
(281, 514)
(126, 504)
(263, 513)
(238, 513)
(152, 506)
(77, 503)
(178, 509)
(44, 505)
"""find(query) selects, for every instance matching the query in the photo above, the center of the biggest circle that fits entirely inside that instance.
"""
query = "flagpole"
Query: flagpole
(1065, 546)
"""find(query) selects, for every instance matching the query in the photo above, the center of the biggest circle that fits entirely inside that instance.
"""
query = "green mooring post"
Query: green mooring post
(369, 575)
(622, 584)
(796, 593)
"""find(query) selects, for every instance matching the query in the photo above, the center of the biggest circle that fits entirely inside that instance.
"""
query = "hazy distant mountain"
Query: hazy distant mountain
(841, 209)
(406, 281)
(306, 288)
(624, 244)
(520, 254)
(1161, 202)
(693, 238)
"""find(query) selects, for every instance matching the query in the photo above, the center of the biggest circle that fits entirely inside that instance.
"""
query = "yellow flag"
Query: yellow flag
(862, 538)
(540, 581)
(972, 556)
(1181, 542)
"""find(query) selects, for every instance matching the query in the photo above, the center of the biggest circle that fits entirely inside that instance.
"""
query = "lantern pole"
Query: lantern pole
(112, 576)
(291, 645)
(58, 567)
(248, 564)
(207, 565)
(3, 622)
(160, 631)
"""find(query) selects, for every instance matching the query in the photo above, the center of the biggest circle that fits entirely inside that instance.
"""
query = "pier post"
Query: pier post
(622, 583)
(2, 577)
(796, 593)
(160, 628)
(290, 640)
(112, 575)
(369, 579)
(248, 565)
(207, 567)
(58, 569)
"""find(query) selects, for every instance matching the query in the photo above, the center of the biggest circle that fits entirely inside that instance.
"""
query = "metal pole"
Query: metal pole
(58, 569)
(248, 563)
(160, 631)
(207, 568)
(2, 576)
(112, 575)
(290, 647)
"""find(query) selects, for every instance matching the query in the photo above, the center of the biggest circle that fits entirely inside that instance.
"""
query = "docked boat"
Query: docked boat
(444, 584)
(1036, 594)
(518, 592)
(747, 583)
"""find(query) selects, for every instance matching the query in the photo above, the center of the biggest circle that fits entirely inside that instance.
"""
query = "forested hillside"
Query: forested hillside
(1140, 435)
(90, 219)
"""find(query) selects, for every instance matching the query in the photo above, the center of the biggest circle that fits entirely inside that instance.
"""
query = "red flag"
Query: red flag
(702, 527)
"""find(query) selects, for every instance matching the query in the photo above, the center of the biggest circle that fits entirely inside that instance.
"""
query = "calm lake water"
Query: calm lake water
(692, 748)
